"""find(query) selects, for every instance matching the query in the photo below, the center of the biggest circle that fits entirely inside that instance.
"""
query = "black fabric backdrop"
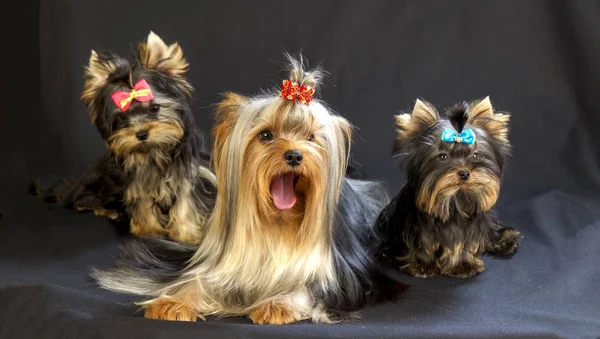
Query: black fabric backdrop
(538, 60)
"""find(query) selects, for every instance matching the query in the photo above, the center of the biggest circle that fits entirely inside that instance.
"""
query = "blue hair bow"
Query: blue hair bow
(467, 136)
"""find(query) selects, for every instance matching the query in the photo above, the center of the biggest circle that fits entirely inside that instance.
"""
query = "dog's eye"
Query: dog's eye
(311, 137)
(265, 135)
(154, 108)
(475, 155)
(119, 122)
(443, 156)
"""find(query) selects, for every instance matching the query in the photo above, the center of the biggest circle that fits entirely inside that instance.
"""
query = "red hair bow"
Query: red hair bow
(292, 91)
(141, 92)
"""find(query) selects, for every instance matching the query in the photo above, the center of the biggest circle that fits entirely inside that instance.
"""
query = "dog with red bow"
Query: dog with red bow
(156, 170)
(290, 236)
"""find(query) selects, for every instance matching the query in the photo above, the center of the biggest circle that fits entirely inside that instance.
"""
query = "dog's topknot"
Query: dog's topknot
(458, 115)
(299, 72)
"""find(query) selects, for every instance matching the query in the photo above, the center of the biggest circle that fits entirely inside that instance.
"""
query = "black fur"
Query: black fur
(100, 187)
(158, 260)
(429, 244)
(354, 244)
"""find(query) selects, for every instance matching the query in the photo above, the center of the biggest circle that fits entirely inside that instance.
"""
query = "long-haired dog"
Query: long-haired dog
(156, 166)
(442, 221)
(290, 236)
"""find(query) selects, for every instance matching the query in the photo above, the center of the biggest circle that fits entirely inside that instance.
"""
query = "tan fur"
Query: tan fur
(481, 114)
(486, 186)
(509, 235)
(155, 54)
(423, 115)
(507, 243)
(96, 74)
(144, 221)
(275, 313)
(256, 260)
(226, 113)
(461, 261)
(162, 137)
(185, 218)
(167, 309)
(110, 214)
(415, 269)
(434, 198)
(150, 187)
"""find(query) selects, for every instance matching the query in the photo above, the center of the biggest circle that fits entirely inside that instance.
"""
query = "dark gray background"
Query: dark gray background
(538, 60)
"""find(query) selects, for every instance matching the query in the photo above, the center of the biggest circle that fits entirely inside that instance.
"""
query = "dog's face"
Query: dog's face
(147, 128)
(285, 153)
(454, 162)
(285, 159)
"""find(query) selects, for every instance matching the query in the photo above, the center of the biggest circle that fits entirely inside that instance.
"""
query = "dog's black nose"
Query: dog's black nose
(464, 174)
(293, 157)
(142, 135)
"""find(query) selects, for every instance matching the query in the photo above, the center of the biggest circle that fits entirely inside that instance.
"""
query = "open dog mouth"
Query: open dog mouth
(283, 191)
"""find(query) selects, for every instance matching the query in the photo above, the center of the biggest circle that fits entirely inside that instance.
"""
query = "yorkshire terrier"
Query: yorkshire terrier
(156, 168)
(290, 237)
(442, 221)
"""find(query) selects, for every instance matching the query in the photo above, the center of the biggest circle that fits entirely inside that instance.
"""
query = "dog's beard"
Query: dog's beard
(163, 137)
(447, 196)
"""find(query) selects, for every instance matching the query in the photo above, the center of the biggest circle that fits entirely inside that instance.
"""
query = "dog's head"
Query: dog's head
(140, 103)
(282, 154)
(454, 161)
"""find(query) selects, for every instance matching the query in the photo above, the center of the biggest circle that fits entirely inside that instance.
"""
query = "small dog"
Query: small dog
(290, 237)
(441, 221)
(156, 169)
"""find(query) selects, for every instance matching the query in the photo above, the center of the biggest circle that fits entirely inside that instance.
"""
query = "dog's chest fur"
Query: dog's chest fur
(475, 230)
(152, 186)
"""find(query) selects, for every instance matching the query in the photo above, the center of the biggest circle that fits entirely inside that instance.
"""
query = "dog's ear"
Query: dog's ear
(226, 114)
(344, 130)
(341, 144)
(155, 54)
(481, 114)
(423, 115)
(96, 74)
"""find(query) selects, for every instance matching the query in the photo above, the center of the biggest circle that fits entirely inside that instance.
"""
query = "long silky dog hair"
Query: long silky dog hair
(290, 237)
(156, 168)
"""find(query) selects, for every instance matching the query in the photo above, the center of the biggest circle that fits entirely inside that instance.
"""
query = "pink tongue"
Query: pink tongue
(282, 191)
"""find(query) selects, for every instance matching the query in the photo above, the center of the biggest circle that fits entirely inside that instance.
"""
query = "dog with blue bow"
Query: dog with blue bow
(442, 221)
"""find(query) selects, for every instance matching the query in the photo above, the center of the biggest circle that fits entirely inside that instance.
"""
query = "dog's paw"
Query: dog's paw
(144, 230)
(273, 313)
(190, 235)
(110, 214)
(467, 269)
(419, 270)
(165, 309)
(506, 242)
